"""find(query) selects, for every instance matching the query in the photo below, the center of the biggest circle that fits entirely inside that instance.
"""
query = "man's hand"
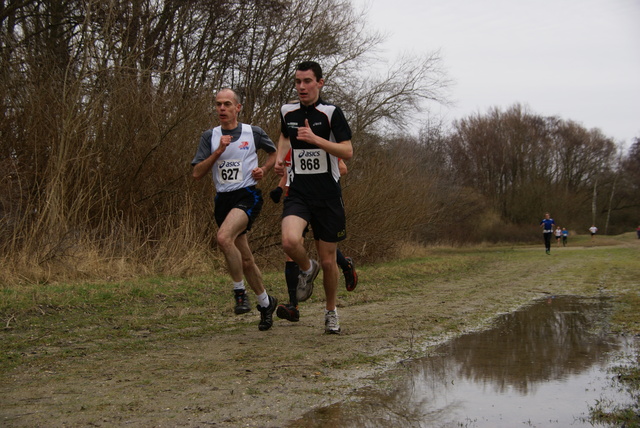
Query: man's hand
(257, 173)
(225, 140)
(306, 134)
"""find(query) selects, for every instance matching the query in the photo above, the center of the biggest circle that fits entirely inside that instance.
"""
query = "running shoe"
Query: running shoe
(331, 323)
(350, 275)
(288, 312)
(266, 314)
(305, 282)
(242, 302)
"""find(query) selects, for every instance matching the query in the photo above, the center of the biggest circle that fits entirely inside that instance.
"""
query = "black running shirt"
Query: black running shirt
(315, 172)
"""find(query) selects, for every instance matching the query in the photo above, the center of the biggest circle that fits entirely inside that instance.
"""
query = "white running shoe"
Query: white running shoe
(331, 323)
(305, 282)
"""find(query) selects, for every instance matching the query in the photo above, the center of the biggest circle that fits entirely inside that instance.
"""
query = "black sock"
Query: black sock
(342, 261)
(291, 272)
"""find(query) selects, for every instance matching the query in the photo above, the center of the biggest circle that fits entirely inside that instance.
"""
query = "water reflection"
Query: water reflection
(540, 366)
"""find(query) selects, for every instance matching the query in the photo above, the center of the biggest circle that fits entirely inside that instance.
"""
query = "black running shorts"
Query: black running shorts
(248, 199)
(326, 216)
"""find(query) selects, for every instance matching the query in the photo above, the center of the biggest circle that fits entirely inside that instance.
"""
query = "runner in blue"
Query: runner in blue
(547, 231)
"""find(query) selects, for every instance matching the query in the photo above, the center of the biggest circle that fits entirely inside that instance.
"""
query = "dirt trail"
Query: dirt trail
(244, 377)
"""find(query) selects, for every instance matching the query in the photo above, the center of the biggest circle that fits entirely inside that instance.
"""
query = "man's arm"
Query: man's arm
(271, 161)
(284, 145)
(342, 149)
(342, 167)
(202, 168)
(260, 172)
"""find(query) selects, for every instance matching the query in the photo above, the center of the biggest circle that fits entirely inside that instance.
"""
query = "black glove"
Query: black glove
(276, 194)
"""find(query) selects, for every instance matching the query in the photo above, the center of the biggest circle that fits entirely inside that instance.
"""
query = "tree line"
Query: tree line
(524, 163)
(103, 104)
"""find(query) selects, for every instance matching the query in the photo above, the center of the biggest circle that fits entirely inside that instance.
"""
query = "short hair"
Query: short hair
(313, 66)
(236, 96)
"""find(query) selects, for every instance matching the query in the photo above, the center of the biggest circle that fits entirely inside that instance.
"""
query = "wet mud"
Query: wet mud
(545, 365)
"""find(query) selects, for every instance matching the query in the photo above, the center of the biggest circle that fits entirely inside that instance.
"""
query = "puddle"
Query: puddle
(542, 366)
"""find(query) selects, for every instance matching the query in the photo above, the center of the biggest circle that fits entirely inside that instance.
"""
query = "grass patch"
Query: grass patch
(627, 378)
(625, 317)
(359, 359)
(41, 319)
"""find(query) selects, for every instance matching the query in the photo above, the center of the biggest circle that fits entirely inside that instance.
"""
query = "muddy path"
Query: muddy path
(244, 377)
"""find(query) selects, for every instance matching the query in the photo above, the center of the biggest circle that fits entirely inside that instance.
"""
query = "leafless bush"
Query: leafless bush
(102, 108)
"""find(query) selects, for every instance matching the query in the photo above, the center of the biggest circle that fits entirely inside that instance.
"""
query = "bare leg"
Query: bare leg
(249, 268)
(327, 255)
(292, 229)
(234, 224)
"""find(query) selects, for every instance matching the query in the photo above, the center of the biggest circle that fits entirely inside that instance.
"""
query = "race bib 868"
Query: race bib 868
(310, 161)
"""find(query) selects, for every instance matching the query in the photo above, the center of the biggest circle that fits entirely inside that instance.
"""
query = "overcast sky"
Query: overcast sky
(576, 59)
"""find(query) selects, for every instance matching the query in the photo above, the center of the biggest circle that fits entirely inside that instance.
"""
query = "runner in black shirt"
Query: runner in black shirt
(318, 136)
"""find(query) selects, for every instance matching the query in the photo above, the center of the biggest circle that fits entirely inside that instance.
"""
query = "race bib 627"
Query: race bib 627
(230, 171)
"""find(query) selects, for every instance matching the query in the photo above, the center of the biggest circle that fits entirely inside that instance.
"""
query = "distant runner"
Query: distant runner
(547, 230)
(565, 235)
